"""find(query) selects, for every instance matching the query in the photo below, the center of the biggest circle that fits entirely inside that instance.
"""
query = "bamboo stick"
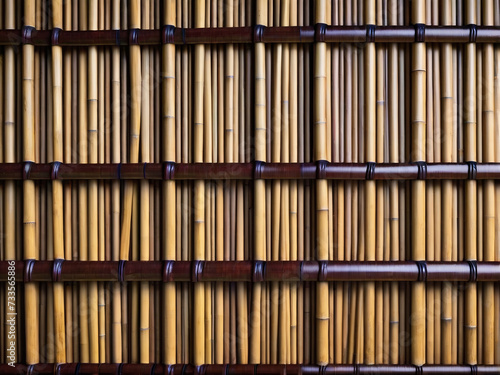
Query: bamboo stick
(489, 191)
(322, 313)
(32, 353)
(418, 188)
(169, 187)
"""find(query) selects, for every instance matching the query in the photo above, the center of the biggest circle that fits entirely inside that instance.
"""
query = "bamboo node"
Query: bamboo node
(419, 33)
(370, 170)
(472, 33)
(472, 170)
(258, 33)
(370, 33)
(29, 264)
(319, 32)
(57, 270)
(168, 34)
(422, 270)
(54, 39)
(27, 170)
(55, 170)
(27, 34)
(473, 270)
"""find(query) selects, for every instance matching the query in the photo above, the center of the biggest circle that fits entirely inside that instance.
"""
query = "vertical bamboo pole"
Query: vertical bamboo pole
(447, 186)
(169, 188)
(322, 313)
(470, 322)
(393, 117)
(418, 187)
(145, 146)
(199, 192)
(260, 185)
(116, 355)
(370, 186)
(31, 297)
(57, 186)
(489, 187)
(92, 185)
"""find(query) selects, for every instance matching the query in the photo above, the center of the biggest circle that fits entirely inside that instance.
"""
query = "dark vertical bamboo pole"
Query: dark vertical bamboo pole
(489, 186)
(370, 186)
(319, 120)
(470, 322)
(260, 185)
(418, 187)
(31, 289)
(57, 186)
(199, 193)
(169, 188)
(116, 355)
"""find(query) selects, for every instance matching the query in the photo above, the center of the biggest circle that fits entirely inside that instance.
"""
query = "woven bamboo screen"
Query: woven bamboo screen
(204, 185)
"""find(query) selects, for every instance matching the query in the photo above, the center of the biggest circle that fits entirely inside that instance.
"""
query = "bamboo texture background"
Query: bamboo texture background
(282, 103)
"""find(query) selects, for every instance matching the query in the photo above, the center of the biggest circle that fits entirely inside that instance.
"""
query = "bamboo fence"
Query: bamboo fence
(250, 186)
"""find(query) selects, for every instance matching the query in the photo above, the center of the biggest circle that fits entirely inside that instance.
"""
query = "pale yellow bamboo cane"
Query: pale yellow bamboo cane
(489, 186)
(31, 289)
(470, 321)
(418, 76)
(199, 193)
(169, 188)
(370, 186)
(116, 355)
(393, 117)
(57, 186)
(135, 127)
(260, 186)
(322, 314)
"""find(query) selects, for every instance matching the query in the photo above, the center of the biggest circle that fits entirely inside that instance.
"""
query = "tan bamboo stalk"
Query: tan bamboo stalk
(496, 317)
(489, 186)
(116, 355)
(31, 289)
(470, 321)
(3, 300)
(294, 152)
(447, 186)
(57, 186)
(322, 313)
(169, 188)
(135, 127)
(9, 157)
(380, 248)
(418, 188)
(199, 188)
(92, 185)
(260, 185)
(144, 226)
(370, 186)
(393, 117)
(83, 187)
(67, 103)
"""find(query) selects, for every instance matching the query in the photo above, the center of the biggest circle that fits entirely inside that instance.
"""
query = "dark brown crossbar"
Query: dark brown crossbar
(249, 171)
(259, 33)
(188, 369)
(249, 271)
